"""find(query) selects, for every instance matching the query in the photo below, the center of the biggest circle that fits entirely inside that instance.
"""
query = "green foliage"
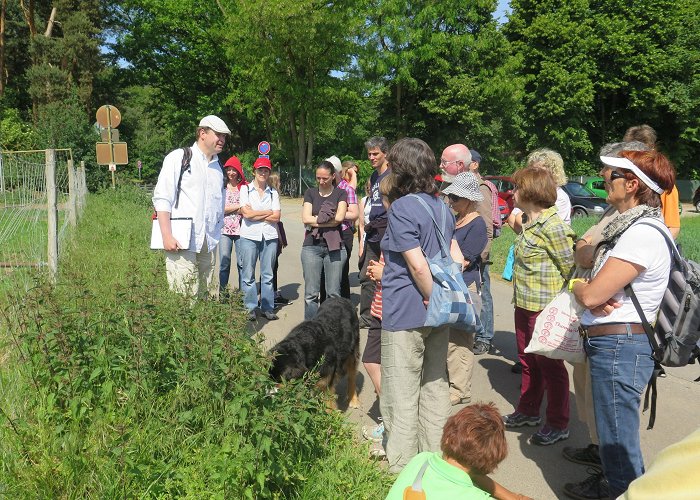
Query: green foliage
(112, 386)
(15, 132)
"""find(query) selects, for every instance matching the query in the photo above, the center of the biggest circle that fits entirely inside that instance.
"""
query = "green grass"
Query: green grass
(110, 386)
(689, 240)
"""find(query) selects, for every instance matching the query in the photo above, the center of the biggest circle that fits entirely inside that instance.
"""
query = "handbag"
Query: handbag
(556, 333)
(181, 228)
(450, 302)
(510, 262)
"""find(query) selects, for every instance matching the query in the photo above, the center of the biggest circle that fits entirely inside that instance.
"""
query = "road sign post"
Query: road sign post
(110, 151)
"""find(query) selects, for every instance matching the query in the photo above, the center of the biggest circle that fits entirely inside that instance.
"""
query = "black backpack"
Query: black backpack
(186, 159)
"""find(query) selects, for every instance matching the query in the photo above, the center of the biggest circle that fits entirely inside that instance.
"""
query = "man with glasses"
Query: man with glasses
(377, 149)
(196, 191)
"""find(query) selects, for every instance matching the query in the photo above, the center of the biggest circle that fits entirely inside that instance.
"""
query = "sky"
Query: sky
(502, 10)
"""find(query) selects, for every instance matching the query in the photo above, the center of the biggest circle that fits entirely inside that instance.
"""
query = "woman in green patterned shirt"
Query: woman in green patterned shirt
(544, 257)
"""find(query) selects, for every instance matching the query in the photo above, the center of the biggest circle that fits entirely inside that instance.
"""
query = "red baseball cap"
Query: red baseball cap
(262, 163)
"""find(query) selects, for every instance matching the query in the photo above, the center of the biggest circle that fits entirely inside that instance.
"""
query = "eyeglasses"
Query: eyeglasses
(447, 162)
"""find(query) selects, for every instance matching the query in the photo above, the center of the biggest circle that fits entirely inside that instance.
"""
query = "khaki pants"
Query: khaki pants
(584, 397)
(415, 402)
(190, 273)
(460, 356)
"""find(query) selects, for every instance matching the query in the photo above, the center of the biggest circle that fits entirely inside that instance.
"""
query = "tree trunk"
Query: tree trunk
(295, 139)
(28, 12)
(3, 8)
(309, 148)
(49, 25)
(301, 139)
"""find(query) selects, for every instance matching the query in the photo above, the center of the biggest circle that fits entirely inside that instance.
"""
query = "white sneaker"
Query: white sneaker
(375, 433)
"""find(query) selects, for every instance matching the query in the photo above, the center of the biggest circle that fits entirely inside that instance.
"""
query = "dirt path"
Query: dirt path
(540, 472)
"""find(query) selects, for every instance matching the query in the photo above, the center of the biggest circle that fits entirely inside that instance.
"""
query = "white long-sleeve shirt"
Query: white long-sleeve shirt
(202, 195)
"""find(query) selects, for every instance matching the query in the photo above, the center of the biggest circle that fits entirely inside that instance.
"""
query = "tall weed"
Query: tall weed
(113, 386)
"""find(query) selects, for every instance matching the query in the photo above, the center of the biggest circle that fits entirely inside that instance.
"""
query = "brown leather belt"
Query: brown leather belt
(611, 329)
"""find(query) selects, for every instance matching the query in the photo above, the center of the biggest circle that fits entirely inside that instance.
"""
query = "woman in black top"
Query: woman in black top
(323, 212)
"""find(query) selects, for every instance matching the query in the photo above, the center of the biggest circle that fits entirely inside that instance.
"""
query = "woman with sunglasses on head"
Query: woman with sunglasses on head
(618, 349)
(322, 214)
(470, 232)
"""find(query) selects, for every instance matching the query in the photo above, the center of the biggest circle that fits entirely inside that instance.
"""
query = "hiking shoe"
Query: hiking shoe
(548, 435)
(585, 456)
(375, 433)
(592, 488)
(252, 316)
(270, 316)
(517, 419)
(517, 367)
(481, 347)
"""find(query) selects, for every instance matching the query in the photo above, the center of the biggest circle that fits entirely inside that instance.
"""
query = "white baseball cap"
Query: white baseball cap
(337, 165)
(215, 123)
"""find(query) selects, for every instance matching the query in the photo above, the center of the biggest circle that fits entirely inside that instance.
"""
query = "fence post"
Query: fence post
(72, 195)
(52, 213)
(81, 188)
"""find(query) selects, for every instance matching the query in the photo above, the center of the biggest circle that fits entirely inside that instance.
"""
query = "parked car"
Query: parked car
(696, 199)
(503, 208)
(597, 186)
(505, 186)
(583, 201)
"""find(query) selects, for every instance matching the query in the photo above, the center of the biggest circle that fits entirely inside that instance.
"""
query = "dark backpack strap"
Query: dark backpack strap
(651, 390)
(186, 159)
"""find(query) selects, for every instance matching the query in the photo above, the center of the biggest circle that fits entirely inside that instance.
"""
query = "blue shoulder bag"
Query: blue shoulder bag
(450, 302)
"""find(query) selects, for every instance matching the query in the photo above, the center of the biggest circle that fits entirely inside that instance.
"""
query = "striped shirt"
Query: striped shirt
(544, 256)
(376, 307)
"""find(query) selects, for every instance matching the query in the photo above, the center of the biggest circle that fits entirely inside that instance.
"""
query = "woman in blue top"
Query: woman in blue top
(464, 196)
(415, 400)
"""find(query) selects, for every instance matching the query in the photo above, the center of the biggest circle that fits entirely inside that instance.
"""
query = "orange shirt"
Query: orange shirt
(669, 208)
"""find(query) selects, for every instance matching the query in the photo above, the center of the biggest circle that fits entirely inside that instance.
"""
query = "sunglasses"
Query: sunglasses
(616, 175)
(454, 197)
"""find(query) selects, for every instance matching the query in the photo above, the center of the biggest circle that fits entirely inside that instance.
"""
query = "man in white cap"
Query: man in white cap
(193, 189)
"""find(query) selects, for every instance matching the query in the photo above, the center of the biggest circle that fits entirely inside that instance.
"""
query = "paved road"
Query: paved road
(539, 472)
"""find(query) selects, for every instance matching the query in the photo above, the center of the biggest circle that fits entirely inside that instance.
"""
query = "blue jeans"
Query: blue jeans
(484, 333)
(313, 259)
(226, 245)
(621, 366)
(266, 252)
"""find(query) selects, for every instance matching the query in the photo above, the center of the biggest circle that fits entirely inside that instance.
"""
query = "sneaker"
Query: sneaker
(252, 316)
(270, 316)
(548, 435)
(375, 433)
(376, 451)
(517, 367)
(592, 488)
(585, 456)
(481, 347)
(517, 419)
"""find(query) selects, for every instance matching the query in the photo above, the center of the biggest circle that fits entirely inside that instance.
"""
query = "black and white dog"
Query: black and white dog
(330, 342)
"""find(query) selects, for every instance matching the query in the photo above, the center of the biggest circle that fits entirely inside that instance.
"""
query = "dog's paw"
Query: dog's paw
(354, 402)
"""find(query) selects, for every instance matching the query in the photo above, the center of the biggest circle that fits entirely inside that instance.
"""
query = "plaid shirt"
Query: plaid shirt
(352, 199)
(544, 256)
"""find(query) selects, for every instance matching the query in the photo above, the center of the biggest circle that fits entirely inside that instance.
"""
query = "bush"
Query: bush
(113, 386)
